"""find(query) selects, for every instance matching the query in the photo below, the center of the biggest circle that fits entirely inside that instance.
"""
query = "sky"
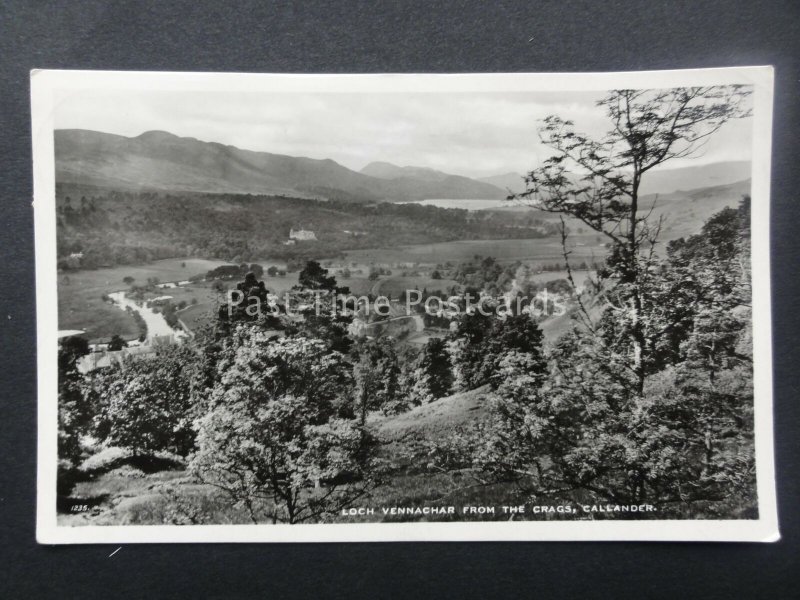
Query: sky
(475, 134)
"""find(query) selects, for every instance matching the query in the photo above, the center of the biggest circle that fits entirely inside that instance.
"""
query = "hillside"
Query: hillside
(515, 182)
(111, 228)
(161, 161)
(692, 178)
(385, 170)
(665, 181)
(685, 211)
(436, 420)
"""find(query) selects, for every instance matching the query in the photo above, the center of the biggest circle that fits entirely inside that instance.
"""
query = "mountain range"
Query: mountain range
(161, 161)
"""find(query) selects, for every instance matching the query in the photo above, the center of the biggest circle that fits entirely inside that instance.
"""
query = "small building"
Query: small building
(302, 235)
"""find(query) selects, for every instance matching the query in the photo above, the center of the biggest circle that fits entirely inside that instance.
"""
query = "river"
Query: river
(157, 325)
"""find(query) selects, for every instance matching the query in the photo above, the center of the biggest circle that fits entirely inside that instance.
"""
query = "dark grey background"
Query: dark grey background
(374, 36)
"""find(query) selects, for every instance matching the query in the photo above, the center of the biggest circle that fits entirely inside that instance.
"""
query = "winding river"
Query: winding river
(157, 325)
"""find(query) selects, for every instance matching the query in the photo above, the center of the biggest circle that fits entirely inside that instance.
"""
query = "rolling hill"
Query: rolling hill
(161, 161)
(664, 181)
(514, 182)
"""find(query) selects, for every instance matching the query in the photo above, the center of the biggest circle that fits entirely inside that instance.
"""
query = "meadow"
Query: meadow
(80, 294)
(545, 250)
(81, 304)
(392, 287)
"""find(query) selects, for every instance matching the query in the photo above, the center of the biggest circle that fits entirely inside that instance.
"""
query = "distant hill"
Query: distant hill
(657, 182)
(515, 182)
(161, 161)
(695, 178)
(686, 211)
(456, 186)
(385, 170)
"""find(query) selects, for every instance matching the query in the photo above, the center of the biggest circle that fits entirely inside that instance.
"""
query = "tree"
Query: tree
(274, 439)
(432, 377)
(147, 405)
(517, 335)
(248, 303)
(648, 129)
(465, 348)
(376, 372)
(74, 411)
(315, 277)
(116, 343)
(481, 341)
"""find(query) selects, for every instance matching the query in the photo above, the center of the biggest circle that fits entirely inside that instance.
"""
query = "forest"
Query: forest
(105, 228)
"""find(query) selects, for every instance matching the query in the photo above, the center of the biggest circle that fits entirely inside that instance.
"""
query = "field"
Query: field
(80, 293)
(80, 303)
(579, 277)
(392, 287)
(546, 250)
(683, 212)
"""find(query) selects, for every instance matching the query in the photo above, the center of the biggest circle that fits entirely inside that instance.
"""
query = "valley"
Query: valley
(174, 395)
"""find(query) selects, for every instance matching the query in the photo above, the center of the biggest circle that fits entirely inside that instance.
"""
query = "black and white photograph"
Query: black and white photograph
(403, 307)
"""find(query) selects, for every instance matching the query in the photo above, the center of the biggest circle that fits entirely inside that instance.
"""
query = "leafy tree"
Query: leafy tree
(376, 371)
(321, 321)
(481, 342)
(116, 343)
(74, 410)
(466, 349)
(249, 303)
(273, 438)
(517, 335)
(315, 277)
(147, 405)
(432, 377)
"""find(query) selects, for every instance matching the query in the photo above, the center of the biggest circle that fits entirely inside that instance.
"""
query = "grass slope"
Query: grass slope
(435, 420)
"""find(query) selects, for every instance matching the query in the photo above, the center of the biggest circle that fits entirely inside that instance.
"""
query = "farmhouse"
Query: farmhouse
(302, 235)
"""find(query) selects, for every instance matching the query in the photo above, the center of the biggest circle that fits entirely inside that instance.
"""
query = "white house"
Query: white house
(305, 235)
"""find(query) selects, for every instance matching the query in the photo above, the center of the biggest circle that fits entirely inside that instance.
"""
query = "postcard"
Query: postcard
(419, 307)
